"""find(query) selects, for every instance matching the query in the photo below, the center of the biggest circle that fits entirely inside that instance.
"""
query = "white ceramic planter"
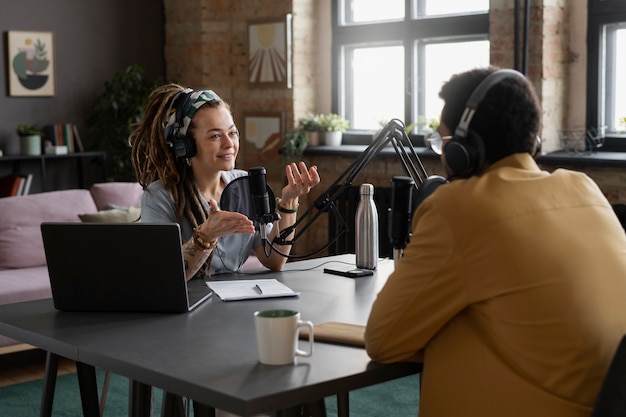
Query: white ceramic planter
(332, 138)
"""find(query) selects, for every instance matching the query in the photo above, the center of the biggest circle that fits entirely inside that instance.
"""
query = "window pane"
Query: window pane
(437, 7)
(442, 60)
(612, 102)
(360, 11)
(620, 81)
(378, 86)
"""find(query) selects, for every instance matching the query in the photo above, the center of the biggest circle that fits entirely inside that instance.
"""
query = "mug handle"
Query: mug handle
(303, 323)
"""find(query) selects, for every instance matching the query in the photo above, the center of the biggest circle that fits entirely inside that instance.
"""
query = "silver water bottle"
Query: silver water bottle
(366, 224)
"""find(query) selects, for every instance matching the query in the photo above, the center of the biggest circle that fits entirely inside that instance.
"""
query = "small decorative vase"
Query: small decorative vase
(332, 138)
(30, 145)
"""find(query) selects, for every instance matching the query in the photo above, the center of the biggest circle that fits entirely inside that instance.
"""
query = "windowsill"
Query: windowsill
(355, 142)
(559, 158)
(584, 159)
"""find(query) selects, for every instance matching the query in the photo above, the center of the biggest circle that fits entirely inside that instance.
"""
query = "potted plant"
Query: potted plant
(30, 138)
(311, 126)
(306, 133)
(333, 126)
(294, 142)
(111, 119)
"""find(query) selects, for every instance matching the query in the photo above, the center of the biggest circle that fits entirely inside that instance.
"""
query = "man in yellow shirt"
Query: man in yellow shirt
(512, 289)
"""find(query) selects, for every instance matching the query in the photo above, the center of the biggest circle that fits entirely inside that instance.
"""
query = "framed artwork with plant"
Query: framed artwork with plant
(30, 59)
(269, 52)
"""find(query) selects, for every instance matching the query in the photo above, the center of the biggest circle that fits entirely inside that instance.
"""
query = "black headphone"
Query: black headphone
(181, 146)
(465, 153)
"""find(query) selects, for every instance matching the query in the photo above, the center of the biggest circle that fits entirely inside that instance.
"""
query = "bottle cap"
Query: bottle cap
(366, 189)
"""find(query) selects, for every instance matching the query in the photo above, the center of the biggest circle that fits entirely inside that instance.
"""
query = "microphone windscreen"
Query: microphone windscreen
(428, 187)
(236, 197)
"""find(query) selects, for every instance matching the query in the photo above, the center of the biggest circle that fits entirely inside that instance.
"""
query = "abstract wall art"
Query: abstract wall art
(269, 52)
(30, 63)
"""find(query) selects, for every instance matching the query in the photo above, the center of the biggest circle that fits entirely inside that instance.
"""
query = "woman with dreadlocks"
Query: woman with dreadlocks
(184, 152)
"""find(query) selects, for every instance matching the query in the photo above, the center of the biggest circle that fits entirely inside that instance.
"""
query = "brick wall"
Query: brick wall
(206, 47)
(548, 58)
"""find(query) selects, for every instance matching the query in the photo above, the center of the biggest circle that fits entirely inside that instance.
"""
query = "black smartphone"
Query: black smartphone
(350, 273)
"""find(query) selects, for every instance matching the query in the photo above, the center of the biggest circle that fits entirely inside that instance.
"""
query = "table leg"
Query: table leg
(172, 405)
(343, 404)
(140, 399)
(88, 389)
(290, 412)
(315, 409)
(201, 410)
(49, 384)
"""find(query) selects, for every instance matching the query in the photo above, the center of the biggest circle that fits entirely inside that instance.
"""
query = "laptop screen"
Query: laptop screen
(117, 267)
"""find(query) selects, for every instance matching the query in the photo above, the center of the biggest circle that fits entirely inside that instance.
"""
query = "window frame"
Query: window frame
(600, 13)
(407, 31)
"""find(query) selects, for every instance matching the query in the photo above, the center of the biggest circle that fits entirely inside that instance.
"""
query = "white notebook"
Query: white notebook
(250, 288)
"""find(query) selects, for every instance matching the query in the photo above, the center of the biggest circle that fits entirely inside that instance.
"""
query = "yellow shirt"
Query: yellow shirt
(512, 291)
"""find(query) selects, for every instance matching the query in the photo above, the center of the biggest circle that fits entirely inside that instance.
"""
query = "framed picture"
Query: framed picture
(269, 52)
(264, 130)
(30, 64)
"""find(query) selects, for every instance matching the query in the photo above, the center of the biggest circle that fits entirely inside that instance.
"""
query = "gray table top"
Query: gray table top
(210, 354)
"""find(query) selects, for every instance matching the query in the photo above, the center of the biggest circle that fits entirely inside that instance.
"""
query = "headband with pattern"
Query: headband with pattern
(195, 100)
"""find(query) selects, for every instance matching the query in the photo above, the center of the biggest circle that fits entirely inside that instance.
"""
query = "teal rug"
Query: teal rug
(397, 398)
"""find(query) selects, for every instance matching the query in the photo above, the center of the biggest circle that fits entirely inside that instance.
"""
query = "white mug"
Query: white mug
(277, 334)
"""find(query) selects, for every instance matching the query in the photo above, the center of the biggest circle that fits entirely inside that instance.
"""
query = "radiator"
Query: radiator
(346, 205)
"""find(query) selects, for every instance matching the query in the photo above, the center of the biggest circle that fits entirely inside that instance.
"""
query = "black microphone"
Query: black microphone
(260, 199)
(400, 212)
(258, 190)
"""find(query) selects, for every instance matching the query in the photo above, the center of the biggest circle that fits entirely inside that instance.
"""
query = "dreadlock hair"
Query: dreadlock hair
(154, 160)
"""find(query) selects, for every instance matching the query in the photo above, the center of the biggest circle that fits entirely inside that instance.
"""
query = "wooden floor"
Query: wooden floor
(28, 365)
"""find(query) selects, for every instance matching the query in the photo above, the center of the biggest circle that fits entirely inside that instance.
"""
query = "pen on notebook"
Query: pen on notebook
(259, 289)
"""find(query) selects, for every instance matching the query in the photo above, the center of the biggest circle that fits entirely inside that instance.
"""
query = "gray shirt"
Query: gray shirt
(232, 250)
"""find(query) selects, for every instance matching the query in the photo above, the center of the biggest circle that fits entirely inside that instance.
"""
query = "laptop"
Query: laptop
(115, 267)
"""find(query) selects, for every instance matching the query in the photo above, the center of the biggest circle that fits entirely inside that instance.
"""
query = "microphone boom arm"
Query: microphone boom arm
(394, 132)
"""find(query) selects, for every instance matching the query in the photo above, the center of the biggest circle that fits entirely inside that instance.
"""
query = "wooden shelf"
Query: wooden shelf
(79, 157)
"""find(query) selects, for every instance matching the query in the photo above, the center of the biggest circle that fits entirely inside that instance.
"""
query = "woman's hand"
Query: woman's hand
(224, 223)
(300, 180)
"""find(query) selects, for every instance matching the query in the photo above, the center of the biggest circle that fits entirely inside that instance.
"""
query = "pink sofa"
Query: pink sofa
(23, 271)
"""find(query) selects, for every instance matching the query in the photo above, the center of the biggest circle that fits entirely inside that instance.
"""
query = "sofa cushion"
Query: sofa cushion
(114, 215)
(21, 245)
(120, 194)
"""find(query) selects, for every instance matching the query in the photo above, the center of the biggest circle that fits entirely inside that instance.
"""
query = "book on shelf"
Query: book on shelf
(15, 185)
(63, 134)
(9, 185)
(78, 143)
(28, 179)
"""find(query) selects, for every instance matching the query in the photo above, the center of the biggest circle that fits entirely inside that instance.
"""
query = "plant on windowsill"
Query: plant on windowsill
(294, 142)
(305, 134)
(333, 125)
(311, 126)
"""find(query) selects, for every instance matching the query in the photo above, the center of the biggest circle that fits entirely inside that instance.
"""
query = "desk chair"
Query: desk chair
(611, 401)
